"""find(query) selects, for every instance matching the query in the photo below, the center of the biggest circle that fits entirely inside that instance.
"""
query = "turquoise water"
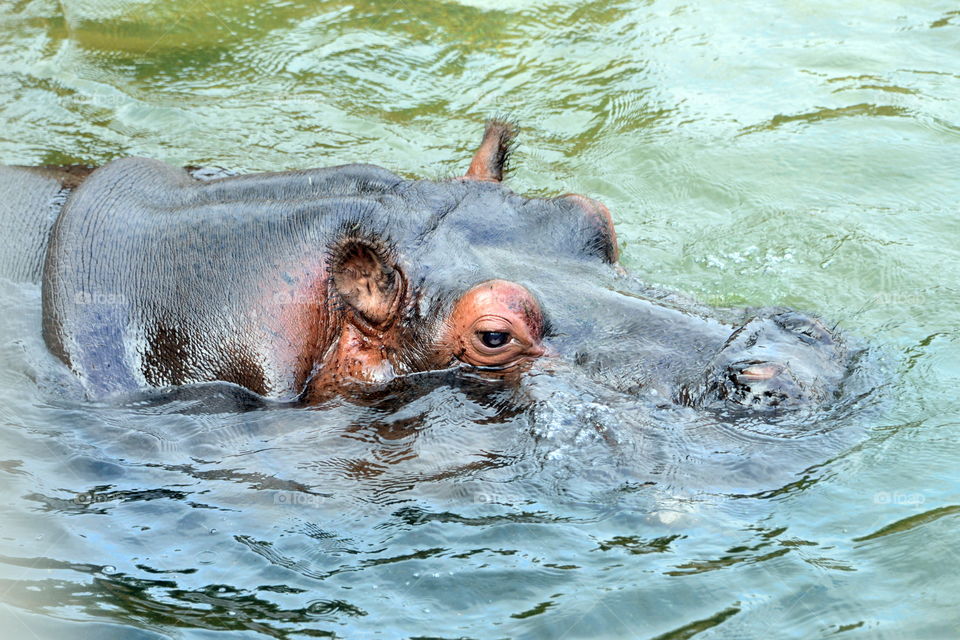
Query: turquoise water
(797, 154)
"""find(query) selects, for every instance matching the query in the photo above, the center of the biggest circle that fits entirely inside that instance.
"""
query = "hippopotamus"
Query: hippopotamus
(305, 285)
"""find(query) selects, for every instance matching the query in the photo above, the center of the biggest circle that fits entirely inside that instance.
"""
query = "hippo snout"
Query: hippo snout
(761, 385)
(776, 362)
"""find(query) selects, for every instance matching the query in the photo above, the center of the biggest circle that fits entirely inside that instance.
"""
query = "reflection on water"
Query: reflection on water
(208, 507)
(785, 154)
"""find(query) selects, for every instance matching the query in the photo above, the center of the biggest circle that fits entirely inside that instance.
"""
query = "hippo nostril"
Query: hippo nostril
(758, 373)
(758, 384)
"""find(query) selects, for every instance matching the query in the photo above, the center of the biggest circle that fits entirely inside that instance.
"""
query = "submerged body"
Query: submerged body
(301, 285)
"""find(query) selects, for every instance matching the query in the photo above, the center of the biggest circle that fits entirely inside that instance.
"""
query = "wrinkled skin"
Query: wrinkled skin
(304, 285)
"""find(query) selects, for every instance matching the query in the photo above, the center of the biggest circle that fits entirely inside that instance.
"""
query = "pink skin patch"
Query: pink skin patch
(293, 311)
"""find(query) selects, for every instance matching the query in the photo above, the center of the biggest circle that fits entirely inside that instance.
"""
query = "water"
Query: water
(798, 154)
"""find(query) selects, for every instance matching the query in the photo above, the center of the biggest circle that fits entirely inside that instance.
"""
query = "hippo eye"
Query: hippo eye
(495, 324)
(494, 339)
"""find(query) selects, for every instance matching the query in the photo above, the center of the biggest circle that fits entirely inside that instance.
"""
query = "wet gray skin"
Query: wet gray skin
(156, 276)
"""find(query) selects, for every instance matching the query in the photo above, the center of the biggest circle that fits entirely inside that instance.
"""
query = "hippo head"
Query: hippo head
(454, 281)
(316, 283)
(468, 274)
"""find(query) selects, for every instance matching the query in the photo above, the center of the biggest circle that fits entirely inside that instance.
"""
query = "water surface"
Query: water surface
(796, 154)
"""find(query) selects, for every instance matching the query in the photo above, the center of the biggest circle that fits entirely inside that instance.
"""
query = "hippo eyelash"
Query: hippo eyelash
(383, 250)
(548, 330)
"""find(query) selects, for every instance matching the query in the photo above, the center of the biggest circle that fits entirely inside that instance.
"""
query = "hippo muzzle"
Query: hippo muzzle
(777, 362)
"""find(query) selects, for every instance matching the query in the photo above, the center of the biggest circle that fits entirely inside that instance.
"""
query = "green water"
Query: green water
(804, 154)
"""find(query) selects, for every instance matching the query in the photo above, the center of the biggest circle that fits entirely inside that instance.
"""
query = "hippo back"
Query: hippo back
(154, 278)
(31, 199)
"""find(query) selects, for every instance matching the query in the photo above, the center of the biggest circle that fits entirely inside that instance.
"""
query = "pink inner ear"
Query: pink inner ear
(367, 283)
(601, 217)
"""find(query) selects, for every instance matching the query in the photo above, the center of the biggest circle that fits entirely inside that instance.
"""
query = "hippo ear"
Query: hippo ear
(366, 280)
(490, 160)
